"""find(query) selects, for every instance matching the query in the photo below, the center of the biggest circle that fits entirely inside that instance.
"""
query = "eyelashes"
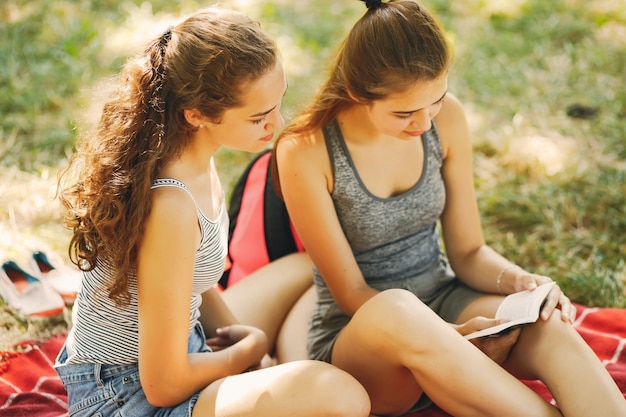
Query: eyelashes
(409, 115)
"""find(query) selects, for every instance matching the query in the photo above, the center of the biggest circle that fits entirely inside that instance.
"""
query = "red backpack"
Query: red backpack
(260, 230)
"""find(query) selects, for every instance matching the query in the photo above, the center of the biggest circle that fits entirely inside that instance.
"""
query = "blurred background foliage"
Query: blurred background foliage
(543, 83)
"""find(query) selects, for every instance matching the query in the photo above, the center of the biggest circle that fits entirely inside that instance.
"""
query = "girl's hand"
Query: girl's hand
(219, 342)
(556, 298)
(497, 347)
(250, 343)
(475, 324)
(227, 336)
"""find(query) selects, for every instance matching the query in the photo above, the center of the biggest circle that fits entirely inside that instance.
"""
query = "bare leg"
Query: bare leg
(553, 352)
(398, 348)
(292, 338)
(296, 389)
(264, 298)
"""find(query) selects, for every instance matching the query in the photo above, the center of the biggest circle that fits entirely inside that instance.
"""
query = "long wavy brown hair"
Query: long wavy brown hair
(394, 45)
(200, 64)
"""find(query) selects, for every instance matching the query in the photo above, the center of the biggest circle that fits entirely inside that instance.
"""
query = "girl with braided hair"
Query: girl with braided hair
(380, 158)
(150, 233)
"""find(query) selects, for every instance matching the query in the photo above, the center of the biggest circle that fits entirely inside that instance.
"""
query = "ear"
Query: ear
(194, 117)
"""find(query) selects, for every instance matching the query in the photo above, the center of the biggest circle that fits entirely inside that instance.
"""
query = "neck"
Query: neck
(195, 161)
(356, 126)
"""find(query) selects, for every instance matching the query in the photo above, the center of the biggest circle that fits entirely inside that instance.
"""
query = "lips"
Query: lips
(267, 138)
(414, 133)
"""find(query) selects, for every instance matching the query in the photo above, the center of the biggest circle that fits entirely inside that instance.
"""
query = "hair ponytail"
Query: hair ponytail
(203, 64)
(394, 45)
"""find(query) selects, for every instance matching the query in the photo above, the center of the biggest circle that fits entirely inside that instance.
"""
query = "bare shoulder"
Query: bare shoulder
(301, 151)
(172, 206)
(451, 107)
(303, 164)
(294, 144)
(452, 123)
(171, 229)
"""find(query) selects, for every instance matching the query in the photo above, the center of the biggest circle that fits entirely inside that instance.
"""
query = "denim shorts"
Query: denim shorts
(98, 390)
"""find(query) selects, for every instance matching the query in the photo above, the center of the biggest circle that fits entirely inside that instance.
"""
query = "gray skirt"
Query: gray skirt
(436, 287)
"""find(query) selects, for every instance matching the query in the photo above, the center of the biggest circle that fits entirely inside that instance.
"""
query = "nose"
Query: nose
(275, 121)
(421, 120)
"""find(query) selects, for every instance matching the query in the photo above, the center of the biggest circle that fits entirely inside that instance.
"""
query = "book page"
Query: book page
(524, 304)
(517, 308)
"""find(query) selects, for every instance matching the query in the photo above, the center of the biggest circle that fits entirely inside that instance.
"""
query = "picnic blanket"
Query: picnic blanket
(30, 387)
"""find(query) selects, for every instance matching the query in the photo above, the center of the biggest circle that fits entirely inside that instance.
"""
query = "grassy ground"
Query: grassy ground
(551, 187)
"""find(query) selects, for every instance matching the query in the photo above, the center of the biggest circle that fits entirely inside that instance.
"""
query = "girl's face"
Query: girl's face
(408, 114)
(251, 126)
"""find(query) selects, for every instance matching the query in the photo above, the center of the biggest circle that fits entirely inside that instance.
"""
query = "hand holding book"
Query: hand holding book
(518, 308)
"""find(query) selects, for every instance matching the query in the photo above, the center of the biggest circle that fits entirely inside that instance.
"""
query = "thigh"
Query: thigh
(485, 305)
(394, 332)
(368, 349)
(291, 343)
(296, 389)
(264, 298)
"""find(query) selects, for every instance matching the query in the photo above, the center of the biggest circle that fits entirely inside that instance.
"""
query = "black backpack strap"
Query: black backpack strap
(279, 239)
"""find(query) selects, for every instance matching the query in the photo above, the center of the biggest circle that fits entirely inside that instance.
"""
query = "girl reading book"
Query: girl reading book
(379, 157)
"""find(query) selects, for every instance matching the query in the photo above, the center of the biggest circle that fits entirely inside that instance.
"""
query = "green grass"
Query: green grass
(551, 189)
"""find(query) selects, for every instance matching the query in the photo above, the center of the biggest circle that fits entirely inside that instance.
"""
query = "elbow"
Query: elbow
(161, 396)
(162, 391)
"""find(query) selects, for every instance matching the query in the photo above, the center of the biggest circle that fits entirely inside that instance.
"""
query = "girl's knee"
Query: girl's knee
(548, 334)
(338, 392)
(388, 314)
(553, 326)
(396, 304)
(396, 297)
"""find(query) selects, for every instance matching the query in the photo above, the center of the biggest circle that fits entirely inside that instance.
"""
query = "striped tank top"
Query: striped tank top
(105, 333)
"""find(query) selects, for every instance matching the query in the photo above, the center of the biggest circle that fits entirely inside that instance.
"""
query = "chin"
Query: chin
(258, 147)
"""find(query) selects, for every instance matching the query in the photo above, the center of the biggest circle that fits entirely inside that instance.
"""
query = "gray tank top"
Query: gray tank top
(392, 238)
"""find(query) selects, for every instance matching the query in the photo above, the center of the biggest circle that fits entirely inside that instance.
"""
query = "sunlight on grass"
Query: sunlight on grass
(29, 214)
(141, 25)
(548, 155)
(551, 188)
(502, 7)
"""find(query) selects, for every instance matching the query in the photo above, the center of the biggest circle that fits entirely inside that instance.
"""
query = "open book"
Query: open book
(517, 308)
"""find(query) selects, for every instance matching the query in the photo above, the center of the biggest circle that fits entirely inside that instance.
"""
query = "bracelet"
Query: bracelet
(499, 279)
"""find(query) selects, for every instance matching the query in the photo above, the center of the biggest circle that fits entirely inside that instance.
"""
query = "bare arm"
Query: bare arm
(168, 373)
(214, 313)
(306, 181)
(474, 262)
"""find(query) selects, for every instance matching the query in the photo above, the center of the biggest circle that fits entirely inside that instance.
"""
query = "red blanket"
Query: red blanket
(30, 387)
